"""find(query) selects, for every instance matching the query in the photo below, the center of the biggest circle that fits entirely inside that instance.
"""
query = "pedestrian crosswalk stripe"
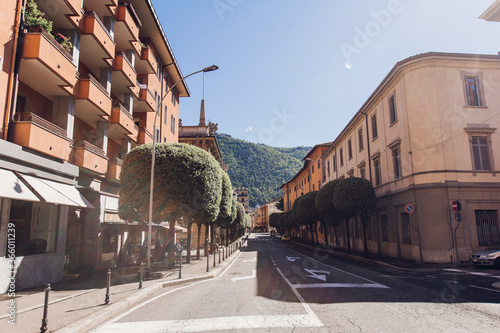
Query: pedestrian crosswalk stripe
(213, 324)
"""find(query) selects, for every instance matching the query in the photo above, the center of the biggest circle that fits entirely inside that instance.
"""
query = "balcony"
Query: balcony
(114, 168)
(144, 136)
(123, 76)
(90, 157)
(121, 124)
(146, 101)
(92, 100)
(34, 132)
(43, 57)
(146, 64)
(96, 44)
(127, 26)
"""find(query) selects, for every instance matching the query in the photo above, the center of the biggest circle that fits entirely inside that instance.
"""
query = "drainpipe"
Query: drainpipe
(14, 68)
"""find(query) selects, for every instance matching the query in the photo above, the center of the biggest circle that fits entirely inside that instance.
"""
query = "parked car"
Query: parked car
(285, 237)
(488, 257)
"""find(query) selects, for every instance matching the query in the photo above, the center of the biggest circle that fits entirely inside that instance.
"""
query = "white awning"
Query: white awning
(13, 188)
(57, 193)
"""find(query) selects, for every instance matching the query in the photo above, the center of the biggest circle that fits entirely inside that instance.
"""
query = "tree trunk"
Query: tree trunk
(212, 239)
(207, 230)
(171, 249)
(365, 241)
(198, 241)
(348, 236)
(188, 243)
(316, 231)
(325, 231)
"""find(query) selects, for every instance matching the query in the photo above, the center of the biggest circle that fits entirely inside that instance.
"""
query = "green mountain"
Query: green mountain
(260, 168)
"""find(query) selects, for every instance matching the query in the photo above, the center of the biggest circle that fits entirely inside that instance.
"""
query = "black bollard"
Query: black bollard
(218, 250)
(208, 261)
(215, 251)
(43, 329)
(106, 299)
(180, 265)
(141, 274)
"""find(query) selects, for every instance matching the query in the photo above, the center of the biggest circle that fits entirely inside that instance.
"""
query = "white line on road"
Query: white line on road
(315, 321)
(250, 260)
(340, 285)
(497, 291)
(212, 324)
(253, 276)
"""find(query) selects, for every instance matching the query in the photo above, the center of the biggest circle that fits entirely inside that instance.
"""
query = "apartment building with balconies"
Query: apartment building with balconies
(426, 137)
(70, 112)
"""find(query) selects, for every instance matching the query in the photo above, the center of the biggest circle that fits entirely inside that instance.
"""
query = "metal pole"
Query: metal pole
(208, 260)
(141, 274)
(43, 329)
(106, 299)
(214, 257)
(223, 252)
(218, 250)
(180, 265)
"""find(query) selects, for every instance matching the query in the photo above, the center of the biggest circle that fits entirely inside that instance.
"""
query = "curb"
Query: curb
(91, 321)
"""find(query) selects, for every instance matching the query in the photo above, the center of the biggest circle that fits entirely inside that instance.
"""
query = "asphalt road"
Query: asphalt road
(276, 286)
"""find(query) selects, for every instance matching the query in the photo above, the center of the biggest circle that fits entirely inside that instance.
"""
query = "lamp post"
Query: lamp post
(150, 220)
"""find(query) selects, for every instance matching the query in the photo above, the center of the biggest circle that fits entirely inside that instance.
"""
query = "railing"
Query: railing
(37, 120)
(51, 40)
(125, 111)
(94, 15)
(94, 81)
(90, 147)
(148, 133)
(121, 53)
(132, 12)
(117, 161)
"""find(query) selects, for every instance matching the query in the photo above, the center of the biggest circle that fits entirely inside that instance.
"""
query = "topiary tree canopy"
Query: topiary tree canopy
(325, 205)
(187, 183)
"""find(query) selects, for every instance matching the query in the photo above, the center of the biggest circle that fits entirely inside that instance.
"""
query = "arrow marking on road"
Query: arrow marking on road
(253, 276)
(292, 259)
(315, 275)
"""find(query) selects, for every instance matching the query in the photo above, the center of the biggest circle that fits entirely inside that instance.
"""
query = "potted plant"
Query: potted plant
(64, 41)
(34, 18)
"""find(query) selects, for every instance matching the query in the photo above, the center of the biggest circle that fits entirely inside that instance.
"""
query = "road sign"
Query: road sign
(456, 205)
(409, 208)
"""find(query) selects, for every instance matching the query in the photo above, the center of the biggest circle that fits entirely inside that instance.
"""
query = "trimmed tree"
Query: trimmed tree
(187, 184)
(355, 197)
(306, 213)
(325, 206)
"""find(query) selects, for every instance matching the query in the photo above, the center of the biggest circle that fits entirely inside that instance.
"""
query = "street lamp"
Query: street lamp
(150, 220)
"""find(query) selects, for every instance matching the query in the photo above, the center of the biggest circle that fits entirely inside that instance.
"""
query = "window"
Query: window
(165, 114)
(369, 228)
(314, 188)
(319, 185)
(362, 171)
(374, 127)
(341, 153)
(396, 161)
(319, 163)
(328, 167)
(360, 139)
(334, 162)
(158, 135)
(174, 96)
(472, 91)
(35, 225)
(376, 170)
(158, 102)
(481, 153)
(350, 173)
(164, 139)
(393, 116)
(172, 124)
(312, 168)
(384, 226)
(405, 228)
(487, 226)
(349, 148)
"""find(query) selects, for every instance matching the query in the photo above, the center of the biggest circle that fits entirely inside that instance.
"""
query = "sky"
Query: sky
(294, 72)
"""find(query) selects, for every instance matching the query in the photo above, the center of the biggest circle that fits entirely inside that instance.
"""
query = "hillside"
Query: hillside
(260, 168)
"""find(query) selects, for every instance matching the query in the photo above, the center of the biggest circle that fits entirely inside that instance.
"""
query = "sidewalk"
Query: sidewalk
(77, 305)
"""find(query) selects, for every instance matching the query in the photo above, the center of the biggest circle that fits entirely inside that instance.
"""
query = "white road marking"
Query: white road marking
(454, 270)
(337, 269)
(317, 276)
(314, 320)
(292, 259)
(480, 274)
(340, 285)
(250, 260)
(253, 276)
(497, 291)
(212, 324)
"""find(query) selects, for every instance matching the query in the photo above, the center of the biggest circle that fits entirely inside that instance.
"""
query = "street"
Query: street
(278, 286)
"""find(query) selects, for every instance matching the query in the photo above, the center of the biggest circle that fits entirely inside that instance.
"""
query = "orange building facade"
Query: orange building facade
(70, 112)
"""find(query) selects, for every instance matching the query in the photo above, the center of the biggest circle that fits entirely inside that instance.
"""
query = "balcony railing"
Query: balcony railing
(37, 120)
(90, 147)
